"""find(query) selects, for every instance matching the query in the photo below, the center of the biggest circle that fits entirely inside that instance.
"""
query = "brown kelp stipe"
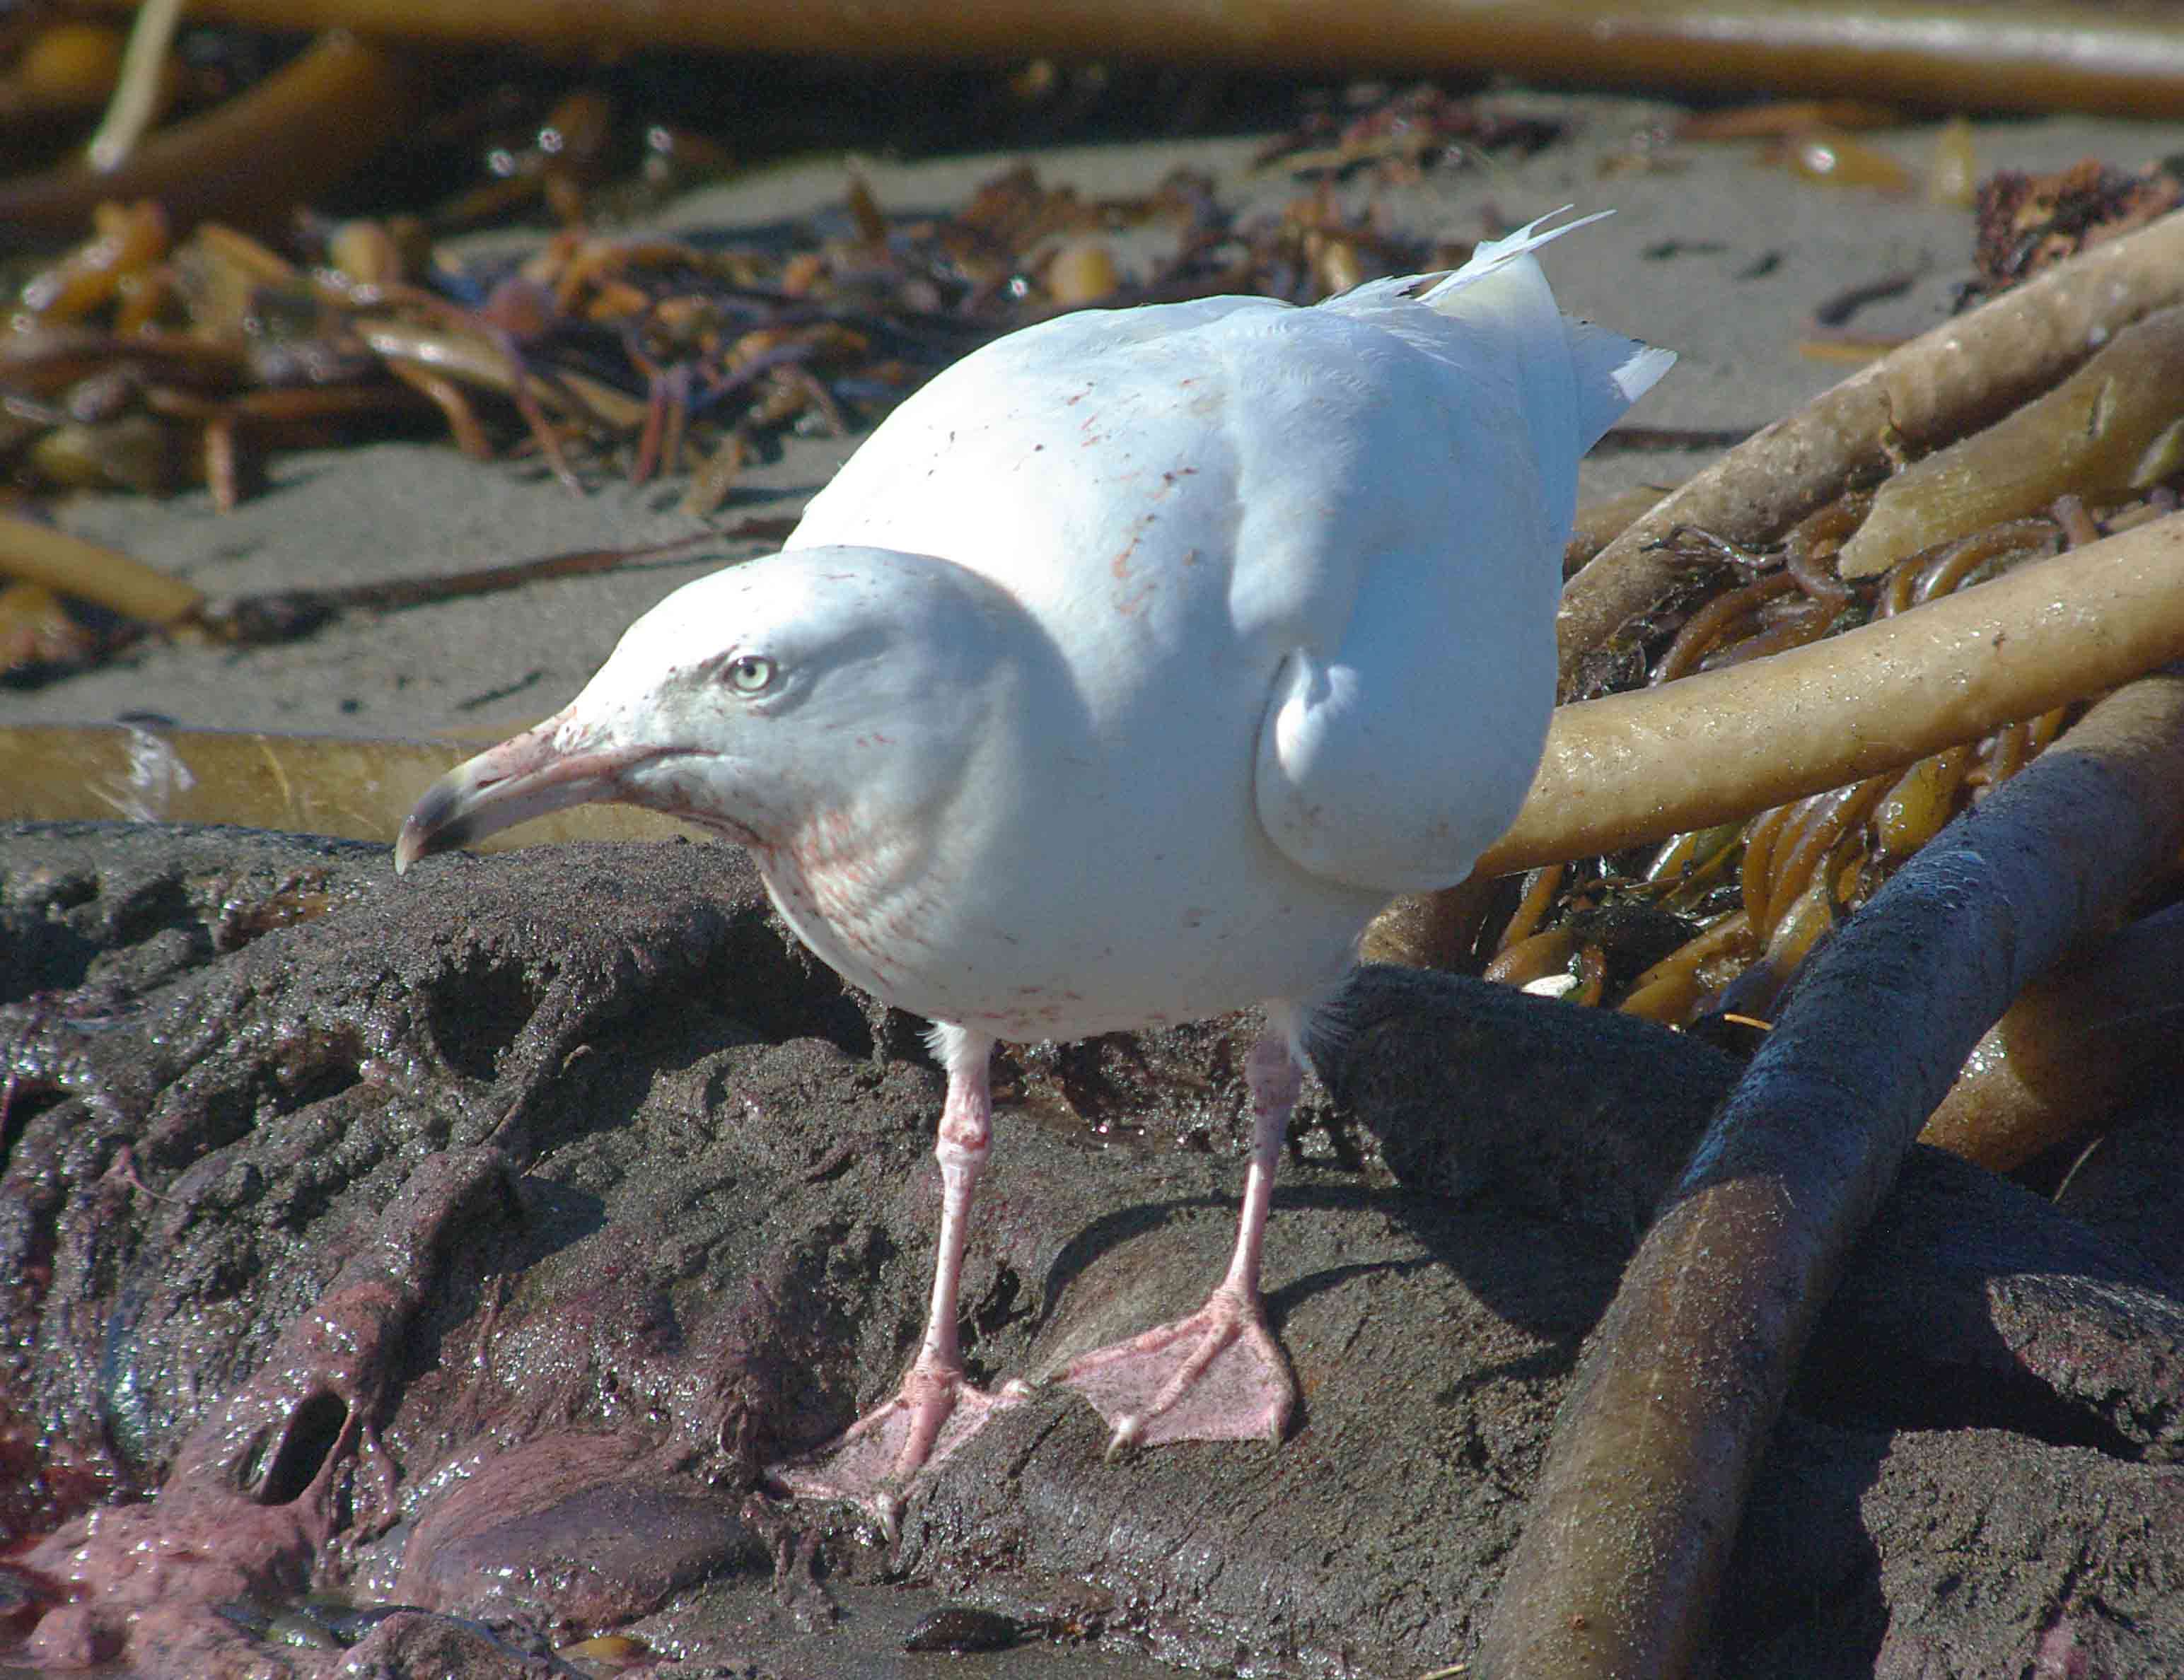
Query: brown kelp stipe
(1632, 1520)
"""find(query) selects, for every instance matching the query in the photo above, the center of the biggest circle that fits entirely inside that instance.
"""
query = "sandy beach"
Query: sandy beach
(1712, 254)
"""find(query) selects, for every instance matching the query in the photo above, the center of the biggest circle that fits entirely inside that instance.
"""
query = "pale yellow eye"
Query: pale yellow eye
(749, 673)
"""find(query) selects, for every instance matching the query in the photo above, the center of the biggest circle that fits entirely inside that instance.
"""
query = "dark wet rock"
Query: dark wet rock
(1957, 1554)
(283, 1092)
(1429, 1345)
(318, 1623)
(1476, 1090)
(472, 1242)
(279, 1468)
(2064, 1557)
(962, 1629)
(414, 1643)
(574, 1529)
(1972, 1303)
(2130, 1185)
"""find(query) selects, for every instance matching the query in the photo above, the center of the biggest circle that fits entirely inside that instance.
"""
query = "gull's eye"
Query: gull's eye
(749, 673)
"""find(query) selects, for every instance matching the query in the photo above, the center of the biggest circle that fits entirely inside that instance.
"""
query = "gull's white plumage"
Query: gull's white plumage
(1119, 678)
(1297, 568)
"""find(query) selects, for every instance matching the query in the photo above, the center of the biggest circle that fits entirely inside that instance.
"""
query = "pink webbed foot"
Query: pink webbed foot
(874, 1462)
(1215, 1376)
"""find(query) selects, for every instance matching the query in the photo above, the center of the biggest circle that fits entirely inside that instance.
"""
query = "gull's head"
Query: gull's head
(752, 700)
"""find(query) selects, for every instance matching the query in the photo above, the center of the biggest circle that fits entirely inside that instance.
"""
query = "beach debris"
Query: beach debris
(2011, 55)
(1680, 1388)
(1396, 137)
(136, 362)
(2029, 223)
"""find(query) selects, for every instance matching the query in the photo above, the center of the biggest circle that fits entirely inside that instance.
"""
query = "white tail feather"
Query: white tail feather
(1502, 280)
(1492, 256)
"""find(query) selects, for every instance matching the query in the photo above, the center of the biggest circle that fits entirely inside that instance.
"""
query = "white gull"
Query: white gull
(1120, 678)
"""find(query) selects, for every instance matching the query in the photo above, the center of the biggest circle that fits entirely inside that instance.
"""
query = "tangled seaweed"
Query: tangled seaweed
(1757, 897)
(139, 362)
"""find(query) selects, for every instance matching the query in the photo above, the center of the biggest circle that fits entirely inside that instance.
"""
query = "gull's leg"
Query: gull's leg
(936, 1409)
(1215, 1376)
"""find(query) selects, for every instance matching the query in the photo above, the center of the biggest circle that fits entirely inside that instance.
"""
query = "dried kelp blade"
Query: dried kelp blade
(252, 159)
(1756, 906)
(139, 364)
(38, 553)
(358, 790)
(281, 615)
(40, 637)
(2070, 1048)
(1634, 768)
(1959, 376)
(2009, 54)
(2116, 425)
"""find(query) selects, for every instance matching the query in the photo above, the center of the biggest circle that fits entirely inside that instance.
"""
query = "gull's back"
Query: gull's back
(1203, 505)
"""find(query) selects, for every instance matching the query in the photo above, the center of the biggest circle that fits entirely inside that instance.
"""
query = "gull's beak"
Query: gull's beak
(523, 777)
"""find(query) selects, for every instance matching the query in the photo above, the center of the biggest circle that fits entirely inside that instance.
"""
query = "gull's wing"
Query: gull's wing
(1393, 760)
(1185, 488)
(1306, 558)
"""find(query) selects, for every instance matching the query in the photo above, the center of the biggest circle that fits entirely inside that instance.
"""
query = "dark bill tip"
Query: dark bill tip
(436, 826)
(519, 779)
